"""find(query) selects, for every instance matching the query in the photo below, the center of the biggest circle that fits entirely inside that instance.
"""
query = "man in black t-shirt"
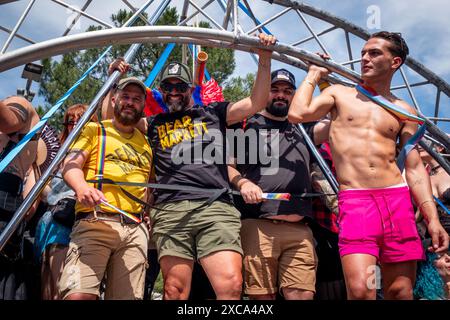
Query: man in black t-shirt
(189, 149)
(278, 244)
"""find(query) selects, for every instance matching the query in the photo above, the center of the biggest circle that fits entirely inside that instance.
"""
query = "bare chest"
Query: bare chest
(354, 112)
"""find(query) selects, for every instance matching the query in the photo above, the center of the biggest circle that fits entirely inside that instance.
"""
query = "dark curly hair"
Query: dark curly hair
(398, 47)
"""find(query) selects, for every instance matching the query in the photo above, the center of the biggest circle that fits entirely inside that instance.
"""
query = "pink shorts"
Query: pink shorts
(379, 222)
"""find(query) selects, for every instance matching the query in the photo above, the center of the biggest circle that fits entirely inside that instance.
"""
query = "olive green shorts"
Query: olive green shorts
(195, 234)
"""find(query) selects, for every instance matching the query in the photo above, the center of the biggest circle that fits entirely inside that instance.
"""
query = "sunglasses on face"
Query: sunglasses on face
(180, 87)
(70, 123)
(72, 119)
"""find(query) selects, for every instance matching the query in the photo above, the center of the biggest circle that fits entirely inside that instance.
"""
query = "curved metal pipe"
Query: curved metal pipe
(155, 34)
(164, 34)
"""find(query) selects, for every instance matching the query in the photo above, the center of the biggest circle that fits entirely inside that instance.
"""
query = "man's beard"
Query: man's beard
(125, 118)
(278, 111)
(176, 106)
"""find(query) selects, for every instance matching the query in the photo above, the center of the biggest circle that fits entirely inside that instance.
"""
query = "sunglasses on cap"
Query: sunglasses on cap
(180, 87)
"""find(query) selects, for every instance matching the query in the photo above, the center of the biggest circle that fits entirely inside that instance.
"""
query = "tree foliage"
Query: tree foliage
(238, 88)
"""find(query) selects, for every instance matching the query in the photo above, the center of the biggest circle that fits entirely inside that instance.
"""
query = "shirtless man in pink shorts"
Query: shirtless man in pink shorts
(376, 216)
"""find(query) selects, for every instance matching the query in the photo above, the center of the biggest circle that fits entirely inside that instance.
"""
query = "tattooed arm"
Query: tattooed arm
(419, 183)
(14, 114)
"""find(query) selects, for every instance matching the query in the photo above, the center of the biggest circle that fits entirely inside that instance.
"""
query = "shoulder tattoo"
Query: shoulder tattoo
(20, 110)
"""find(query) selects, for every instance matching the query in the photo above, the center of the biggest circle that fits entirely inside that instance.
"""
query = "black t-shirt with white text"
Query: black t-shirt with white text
(189, 150)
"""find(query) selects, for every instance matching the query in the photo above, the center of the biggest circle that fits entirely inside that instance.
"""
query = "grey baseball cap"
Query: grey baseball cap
(132, 80)
(176, 70)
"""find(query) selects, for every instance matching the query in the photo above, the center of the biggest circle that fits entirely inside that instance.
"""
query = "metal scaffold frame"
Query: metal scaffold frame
(231, 14)
(233, 24)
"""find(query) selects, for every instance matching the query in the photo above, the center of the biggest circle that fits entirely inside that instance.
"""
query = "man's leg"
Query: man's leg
(87, 257)
(177, 274)
(125, 277)
(298, 261)
(81, 296)
(262, 296)
(359, 270)
(297, 294)
(52, 267)
(261, 255)
(224, 270)
(398, 280)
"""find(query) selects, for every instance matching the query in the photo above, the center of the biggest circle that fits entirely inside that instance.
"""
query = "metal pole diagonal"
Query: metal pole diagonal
(16, 28)
(81, 12)
(322, 164)
(74, 22)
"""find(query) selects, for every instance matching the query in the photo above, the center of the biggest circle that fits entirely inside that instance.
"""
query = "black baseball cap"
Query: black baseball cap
(176, 70)
(282, 75)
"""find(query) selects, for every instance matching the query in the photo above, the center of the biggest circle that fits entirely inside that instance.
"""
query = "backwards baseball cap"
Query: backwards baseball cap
(282, 75)
(131, 80)
(176, 70)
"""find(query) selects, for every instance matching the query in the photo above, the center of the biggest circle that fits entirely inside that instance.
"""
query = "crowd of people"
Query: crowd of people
(226, 200)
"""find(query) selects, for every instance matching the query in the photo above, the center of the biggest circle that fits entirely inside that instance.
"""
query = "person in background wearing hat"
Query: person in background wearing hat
(103, 240)
(191, 224)
(278, 244)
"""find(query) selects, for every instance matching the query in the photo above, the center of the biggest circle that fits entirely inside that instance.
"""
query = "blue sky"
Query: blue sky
(424, 24)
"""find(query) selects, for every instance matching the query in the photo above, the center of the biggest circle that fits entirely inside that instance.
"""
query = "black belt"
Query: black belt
(106, 216)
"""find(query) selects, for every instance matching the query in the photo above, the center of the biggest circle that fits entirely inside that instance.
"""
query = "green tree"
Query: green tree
(238, 88)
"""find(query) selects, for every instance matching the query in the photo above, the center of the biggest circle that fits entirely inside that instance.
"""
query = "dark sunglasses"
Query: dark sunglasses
(180, 87)
(70, 123)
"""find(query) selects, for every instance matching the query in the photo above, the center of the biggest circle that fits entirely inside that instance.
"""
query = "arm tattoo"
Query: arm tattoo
(417, 182)
(19, 110)
(13, 169)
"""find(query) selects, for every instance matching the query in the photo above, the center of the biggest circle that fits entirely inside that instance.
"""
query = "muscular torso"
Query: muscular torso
(363, 139)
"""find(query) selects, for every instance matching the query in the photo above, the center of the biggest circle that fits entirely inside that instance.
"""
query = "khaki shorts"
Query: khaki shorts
(277, 255)
(106, 248)
(195, 234)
